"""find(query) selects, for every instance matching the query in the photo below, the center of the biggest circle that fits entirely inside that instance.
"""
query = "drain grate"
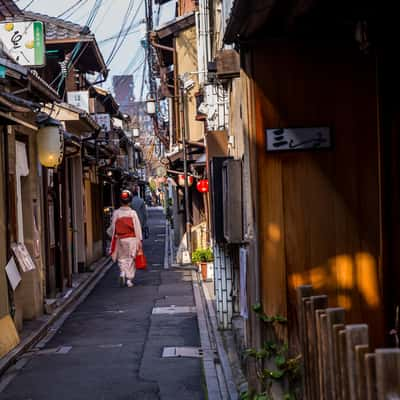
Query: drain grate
(176, 352)
(174, 310)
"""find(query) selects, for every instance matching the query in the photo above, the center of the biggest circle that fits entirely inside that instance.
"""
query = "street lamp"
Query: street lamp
(150, 105)
(135, 132)
(50, 142)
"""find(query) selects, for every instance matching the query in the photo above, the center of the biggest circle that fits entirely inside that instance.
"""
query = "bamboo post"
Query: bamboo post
(320, 329)
(370, 372)
(344, 381)
(361, 350)
(316, 303)
(356, 334)
(388, 374)
(334, 316)
(337, 368)
(303, 292)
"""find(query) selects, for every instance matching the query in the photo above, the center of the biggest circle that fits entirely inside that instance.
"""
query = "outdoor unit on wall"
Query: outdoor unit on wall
(232, 201)
(217, 220)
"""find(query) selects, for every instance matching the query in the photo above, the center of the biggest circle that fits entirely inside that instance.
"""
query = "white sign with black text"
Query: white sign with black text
(13, 274)
(289, 139)
(79, 99)
(104, 121)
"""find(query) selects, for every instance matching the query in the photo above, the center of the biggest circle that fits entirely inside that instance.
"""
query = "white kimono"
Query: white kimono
(125, 248)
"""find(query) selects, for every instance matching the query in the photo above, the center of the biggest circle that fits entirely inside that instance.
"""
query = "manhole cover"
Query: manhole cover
(174, 310)
(110, 346)
(193, 352)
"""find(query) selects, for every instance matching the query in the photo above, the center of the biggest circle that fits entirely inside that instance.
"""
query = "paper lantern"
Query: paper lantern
(181, 180)
(50, 144)
(202, 185)
(150, 105)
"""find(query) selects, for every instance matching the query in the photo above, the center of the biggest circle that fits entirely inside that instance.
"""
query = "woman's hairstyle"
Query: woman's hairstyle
(126, 197)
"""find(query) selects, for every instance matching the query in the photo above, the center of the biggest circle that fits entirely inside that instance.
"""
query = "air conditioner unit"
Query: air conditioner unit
(217, 219)
(232, 201)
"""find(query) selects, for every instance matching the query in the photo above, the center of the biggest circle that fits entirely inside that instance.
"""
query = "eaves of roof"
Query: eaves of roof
(40, 85)
(57, 28)
(59, 31)
(246, 17)
(178, 24)
(107, 97)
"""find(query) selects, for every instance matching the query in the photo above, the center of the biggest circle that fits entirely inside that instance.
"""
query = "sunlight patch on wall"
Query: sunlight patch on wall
(367, 278)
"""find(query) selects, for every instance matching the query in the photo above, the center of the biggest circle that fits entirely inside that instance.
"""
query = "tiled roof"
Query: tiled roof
(8, 9)
(57, 28)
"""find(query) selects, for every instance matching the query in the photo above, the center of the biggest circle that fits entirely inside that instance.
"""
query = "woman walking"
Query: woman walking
(126, 239)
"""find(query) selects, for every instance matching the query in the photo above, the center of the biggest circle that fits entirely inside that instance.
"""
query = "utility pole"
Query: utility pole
(149, 26)
(185, 171)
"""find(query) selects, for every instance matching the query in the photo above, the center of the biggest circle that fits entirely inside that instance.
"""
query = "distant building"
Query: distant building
(141, 119)
(124, 94)
(123, 86)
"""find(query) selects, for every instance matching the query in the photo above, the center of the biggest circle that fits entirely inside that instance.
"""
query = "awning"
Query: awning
(72, 145)
(39, 87)
(76, 120)
(179, 24)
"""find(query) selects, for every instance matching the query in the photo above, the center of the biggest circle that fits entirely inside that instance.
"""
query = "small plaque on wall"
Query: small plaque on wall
(287, 139)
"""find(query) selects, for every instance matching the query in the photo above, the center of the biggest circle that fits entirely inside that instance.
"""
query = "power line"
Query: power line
(126, 32)
(133, 61)
(124, 38)
(29, 4)
(123, 27)
(71, 8)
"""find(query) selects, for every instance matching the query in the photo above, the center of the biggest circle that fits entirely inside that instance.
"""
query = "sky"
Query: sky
(106, 25)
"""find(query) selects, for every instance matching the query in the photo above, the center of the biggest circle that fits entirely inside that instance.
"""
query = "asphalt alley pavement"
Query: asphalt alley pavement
(110, 347)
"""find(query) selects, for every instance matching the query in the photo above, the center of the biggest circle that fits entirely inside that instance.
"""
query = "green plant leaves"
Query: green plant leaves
(257, 308)
(277, 374)
(280, 361)
(275, 355)
(202, 255)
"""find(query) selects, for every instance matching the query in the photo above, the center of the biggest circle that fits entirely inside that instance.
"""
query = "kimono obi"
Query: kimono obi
(124, 228)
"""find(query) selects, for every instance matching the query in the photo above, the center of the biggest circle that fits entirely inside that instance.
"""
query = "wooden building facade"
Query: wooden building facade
(325, 217)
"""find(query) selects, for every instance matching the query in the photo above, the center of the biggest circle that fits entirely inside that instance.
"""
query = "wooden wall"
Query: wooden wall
(4, 306)
(185, 44)
(319, 211)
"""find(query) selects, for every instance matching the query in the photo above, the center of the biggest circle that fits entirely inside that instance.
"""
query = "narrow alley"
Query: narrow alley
(111, 346)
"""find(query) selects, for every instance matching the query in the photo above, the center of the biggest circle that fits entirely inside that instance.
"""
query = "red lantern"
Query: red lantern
(202, 185)
(181, 180)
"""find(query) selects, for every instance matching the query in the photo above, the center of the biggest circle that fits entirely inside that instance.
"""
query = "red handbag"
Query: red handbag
(140, 260)
(113, 245)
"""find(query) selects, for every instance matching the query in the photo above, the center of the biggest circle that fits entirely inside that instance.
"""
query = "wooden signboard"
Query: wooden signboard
(23, 257)
(228, 64)
(289, 139)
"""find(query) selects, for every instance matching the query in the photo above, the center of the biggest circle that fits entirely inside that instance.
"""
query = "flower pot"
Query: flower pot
(203, 270)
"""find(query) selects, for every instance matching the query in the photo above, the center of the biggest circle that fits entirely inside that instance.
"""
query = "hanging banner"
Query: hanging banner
(24, 41)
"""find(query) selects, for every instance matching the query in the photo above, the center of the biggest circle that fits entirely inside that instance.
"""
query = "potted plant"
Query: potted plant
(202, 257)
